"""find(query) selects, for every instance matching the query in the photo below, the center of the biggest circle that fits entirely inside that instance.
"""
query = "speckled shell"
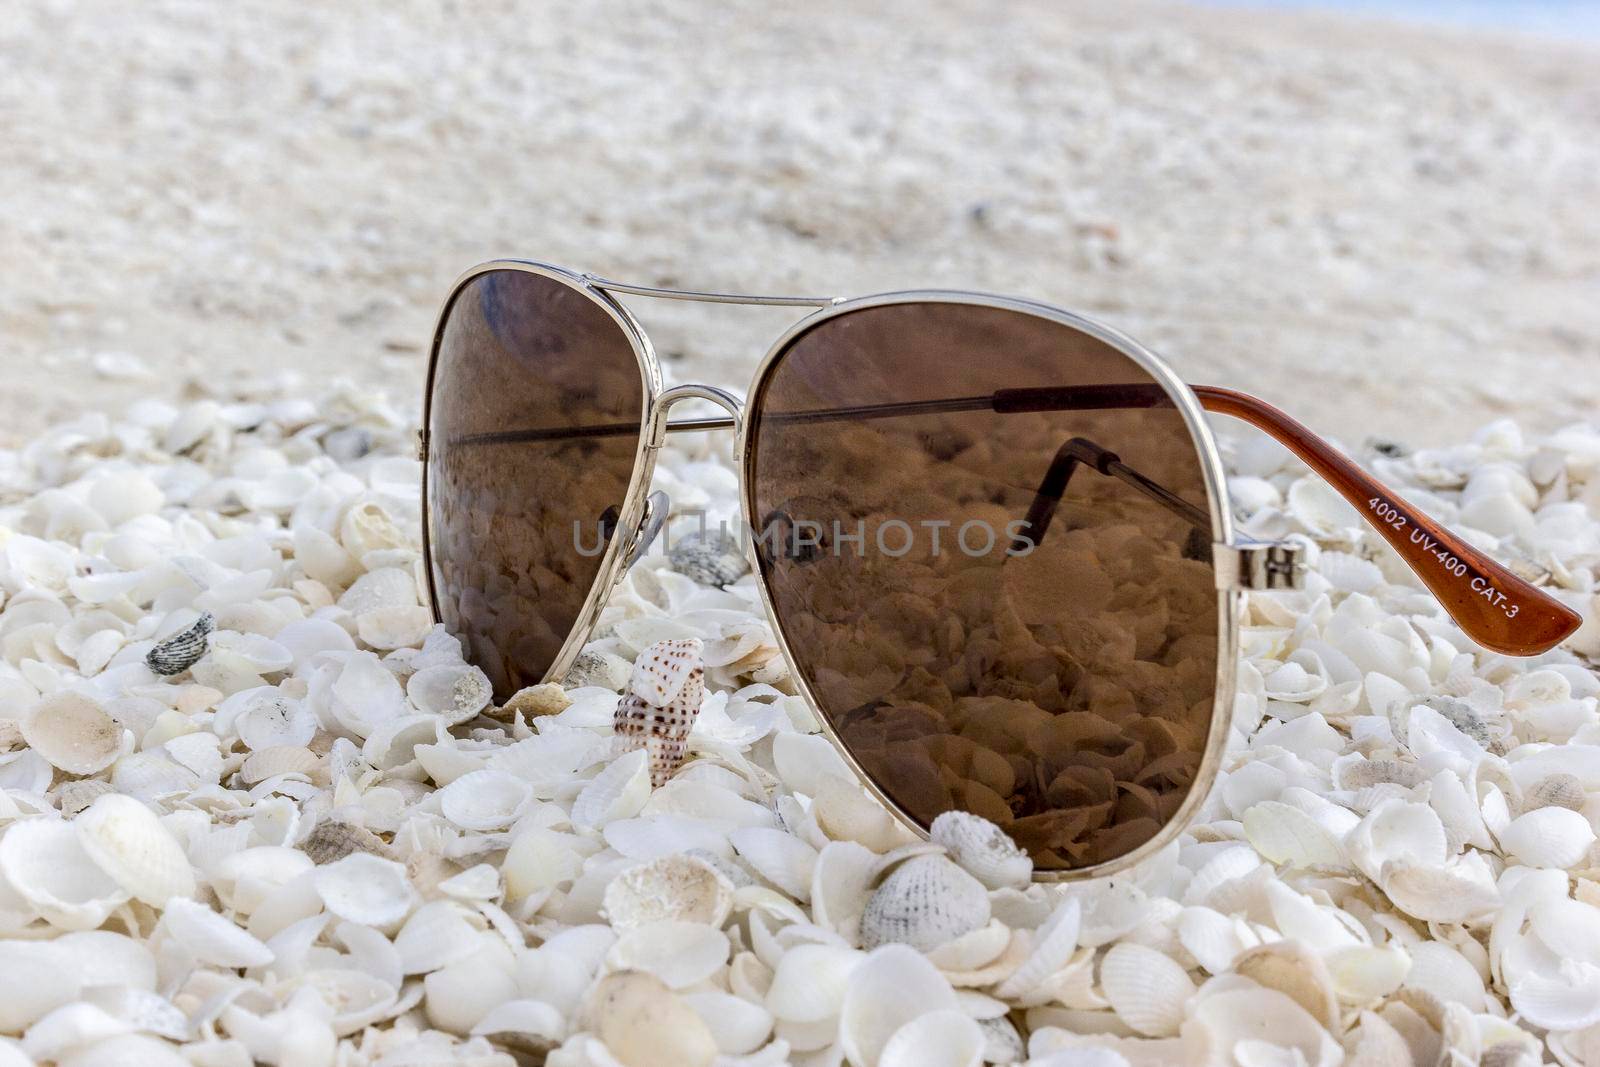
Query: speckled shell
(659, 710)
(181, 651)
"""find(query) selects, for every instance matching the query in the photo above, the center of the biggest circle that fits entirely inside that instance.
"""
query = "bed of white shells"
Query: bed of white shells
(320, 844)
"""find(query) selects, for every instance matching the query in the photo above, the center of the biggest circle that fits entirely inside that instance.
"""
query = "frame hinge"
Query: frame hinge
(1260, 565)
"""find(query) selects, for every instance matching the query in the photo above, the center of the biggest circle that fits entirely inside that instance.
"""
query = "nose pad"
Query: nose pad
(656, 508)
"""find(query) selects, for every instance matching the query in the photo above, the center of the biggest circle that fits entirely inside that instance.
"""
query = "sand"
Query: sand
(1389, 231)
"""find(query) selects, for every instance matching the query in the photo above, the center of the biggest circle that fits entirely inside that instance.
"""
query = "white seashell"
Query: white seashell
(785, 861)
(437, 934)
(1213, 939)
(844, 812)
(892, 986)
(925, 902)
(35, 978)
(459, 996)
(1252, 1019)
(45, 863)
(1397, 831)
(364, 694)
(522, 1020)
(485, 800)
(365, 889)
(1291, 968)
(74, 732)
(210, 938)
(1555, 791)
(982, 849)
(1053, 945)
(266, 718)
(840, 887)
(455, 693)
(680, 888)
(644, 1024)
(1548, 837)
(679, 953)
(124, 1050)
(945, 1038)
(618, 792)
(389, 628)
(1146, 988)
(1284, 834)
(152, 776)
(810, 981)
(68, 1027)
(972, 950)
(126, 840)
(806, 761)
(738, 1026)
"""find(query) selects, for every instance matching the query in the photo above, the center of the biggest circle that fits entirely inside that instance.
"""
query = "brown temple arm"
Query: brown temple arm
(1492, 605)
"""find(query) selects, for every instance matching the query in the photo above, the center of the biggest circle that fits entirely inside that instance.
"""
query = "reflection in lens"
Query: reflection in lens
(515, 505)
(1065, 693)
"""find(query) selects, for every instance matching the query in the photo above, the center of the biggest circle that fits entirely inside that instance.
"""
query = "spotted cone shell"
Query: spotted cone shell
(658, 710)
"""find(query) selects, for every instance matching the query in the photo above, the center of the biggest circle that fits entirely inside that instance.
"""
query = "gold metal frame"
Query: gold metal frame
(654, 427)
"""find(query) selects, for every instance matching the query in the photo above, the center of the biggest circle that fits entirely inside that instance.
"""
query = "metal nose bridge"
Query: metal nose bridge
(660, 427)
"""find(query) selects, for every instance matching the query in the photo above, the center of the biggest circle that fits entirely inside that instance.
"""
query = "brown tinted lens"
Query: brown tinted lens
(519, 504)
(1065, 692)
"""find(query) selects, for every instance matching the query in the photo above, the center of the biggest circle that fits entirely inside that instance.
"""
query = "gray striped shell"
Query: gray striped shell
(181, 651)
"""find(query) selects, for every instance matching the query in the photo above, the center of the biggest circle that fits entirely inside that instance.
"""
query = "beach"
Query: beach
(1388, 230)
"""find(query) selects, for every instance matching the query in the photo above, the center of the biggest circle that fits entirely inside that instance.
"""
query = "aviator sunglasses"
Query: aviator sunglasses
(992, 537)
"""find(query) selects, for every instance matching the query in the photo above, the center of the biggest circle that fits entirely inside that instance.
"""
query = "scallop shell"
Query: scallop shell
(666, 689)
(1294, 970)
(275, 762)
(618, 792)
(128, 842)
(364, 889)
(641, 1021)
(681, 954)
(46, 864)
(1214, 939)
(738, 1026)
(1053, 945)
(269, 719)
(210, 938)
(1146, 988)
(841, 884)
(810, 982)
(178, 653)
(74, 732)
(1548, 837)
(671, 887)
(1555, 791)
(710, 557)
(844, 812)
(982, 849)
(784, 860)
(455, 693)
(892, 986)
(485, 800)
(924, 903)
(436, 935)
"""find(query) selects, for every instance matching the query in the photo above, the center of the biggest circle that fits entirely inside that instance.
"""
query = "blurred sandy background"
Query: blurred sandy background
(1389, 231)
